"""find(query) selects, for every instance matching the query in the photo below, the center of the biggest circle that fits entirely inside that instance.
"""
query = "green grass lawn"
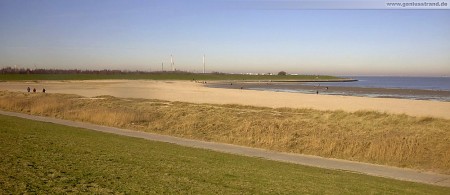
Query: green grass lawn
(40, 157)
(159, 76)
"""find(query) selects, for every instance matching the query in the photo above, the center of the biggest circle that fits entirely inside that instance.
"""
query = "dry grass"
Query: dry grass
(397, 140)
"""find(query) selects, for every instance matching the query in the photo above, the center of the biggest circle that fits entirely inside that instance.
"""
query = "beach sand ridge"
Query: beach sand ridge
(189, 91)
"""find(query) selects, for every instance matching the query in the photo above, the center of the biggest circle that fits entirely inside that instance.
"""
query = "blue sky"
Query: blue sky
(140, 35)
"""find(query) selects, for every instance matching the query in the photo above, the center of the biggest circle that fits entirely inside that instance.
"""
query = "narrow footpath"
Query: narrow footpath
(327, 163)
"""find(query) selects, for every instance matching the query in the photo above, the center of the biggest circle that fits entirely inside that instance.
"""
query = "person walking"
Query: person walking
(43, 90)
(28, 89)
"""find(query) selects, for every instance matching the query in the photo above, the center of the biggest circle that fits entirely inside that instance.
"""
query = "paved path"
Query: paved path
(365, 168)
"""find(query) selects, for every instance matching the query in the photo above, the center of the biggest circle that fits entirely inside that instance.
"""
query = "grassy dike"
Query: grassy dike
(396, 140)
(40, 157)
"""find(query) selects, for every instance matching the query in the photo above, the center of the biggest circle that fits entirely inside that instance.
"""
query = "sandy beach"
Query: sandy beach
(187, 91)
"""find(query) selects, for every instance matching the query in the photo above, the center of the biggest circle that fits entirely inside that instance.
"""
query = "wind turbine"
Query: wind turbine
(171, 62)
(204, 67)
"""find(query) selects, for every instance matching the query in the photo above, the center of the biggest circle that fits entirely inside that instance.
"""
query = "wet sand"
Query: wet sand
(188, 91)
(416, 94)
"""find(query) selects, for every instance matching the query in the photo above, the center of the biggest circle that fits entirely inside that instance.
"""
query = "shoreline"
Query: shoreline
(188, 91)
(287, 81)
(372, 92)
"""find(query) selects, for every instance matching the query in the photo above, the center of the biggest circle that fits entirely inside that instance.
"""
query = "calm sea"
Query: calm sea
(427, 83)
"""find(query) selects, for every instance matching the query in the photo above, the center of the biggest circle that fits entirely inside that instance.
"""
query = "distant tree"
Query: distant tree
(282, 73)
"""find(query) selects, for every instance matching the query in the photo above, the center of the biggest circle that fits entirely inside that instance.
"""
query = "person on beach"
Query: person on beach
(34, 90)
(43, 90)
(28, 89)
(317, 92)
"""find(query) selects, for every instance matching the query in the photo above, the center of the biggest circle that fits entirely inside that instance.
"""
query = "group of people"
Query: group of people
(34, 90)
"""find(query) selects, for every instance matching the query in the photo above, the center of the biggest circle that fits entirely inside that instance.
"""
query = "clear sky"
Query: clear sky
(140, 35)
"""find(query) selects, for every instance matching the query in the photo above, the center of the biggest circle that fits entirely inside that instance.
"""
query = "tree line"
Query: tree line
(11, 70)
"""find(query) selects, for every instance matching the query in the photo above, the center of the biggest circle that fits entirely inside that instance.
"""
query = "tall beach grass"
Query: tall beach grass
(389, 139)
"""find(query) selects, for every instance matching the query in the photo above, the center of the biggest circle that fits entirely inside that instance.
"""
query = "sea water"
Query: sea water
(419, 83)
(425, 83)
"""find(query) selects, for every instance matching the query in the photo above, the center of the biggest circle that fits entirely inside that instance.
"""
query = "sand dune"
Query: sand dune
(188, 91)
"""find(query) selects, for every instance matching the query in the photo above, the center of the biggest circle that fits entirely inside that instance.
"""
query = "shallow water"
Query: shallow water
(426, 83)
(416, 88)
